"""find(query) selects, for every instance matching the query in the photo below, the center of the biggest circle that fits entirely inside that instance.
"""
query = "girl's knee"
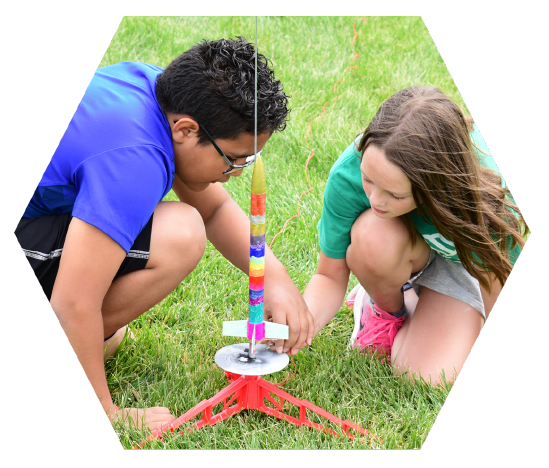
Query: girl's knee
(432, 349)
(381, 241)
(432, 373)
(407, 364)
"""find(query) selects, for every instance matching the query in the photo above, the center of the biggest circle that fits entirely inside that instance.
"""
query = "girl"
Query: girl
(416, 209)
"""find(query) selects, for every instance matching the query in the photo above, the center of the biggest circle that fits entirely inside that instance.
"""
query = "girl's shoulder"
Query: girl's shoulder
(349, 161)
(345, 179)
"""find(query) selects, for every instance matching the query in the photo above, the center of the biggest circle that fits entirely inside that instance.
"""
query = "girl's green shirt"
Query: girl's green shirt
(345, 199)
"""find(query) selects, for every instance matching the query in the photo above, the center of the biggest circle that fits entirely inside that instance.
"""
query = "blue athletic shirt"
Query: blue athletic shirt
(115, 162)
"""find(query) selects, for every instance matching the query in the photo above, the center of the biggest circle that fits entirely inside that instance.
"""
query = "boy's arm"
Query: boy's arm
(228, 229)
(88, 265)
(325, 292)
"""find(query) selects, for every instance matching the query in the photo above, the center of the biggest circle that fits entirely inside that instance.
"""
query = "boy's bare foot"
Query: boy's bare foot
(151, 418)
(111, 345)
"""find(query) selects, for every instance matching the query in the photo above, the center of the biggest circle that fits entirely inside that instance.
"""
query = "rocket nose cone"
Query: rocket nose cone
(259, 185)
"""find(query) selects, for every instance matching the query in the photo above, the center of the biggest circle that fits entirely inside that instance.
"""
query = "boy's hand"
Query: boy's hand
(283, 303)
(228, 229)
(151, 418)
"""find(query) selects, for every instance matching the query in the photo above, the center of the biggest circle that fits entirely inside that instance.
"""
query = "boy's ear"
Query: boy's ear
(184, 129)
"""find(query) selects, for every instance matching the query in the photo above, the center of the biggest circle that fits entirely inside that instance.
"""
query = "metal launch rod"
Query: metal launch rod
(252, 352)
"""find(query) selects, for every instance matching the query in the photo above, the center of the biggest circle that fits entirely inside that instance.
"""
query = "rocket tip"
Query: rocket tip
(258, 162)
(259, 185)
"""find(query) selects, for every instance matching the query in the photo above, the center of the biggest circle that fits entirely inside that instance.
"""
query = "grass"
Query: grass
(171, 363)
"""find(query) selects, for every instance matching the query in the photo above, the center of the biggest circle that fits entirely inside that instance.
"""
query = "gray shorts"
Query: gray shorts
(451, 279)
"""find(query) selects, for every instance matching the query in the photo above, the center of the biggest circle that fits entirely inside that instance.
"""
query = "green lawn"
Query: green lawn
(171, 363)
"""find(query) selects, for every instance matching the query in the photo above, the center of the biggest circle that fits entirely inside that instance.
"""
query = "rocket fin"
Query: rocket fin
(236, 328)
(276, 331)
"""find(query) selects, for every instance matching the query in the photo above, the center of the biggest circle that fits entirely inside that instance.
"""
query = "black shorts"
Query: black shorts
(42, 240)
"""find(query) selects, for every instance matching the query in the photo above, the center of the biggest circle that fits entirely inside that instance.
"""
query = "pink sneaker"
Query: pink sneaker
(374, 328)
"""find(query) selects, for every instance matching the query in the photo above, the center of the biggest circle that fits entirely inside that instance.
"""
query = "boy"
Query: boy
(103, 245)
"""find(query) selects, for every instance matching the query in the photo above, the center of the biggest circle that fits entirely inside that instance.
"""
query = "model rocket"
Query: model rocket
(255, 328)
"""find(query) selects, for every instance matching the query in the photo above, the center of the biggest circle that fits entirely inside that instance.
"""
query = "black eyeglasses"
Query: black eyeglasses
(232, 167)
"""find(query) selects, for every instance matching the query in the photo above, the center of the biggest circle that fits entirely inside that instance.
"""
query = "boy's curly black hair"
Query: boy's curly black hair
(213, 82)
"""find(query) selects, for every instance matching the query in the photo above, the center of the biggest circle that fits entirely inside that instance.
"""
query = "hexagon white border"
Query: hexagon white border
(496, 404)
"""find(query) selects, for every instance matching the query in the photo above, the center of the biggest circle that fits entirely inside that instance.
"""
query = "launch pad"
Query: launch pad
(236, 359)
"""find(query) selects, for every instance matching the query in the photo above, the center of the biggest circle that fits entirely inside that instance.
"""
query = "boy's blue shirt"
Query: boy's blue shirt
(115, 162)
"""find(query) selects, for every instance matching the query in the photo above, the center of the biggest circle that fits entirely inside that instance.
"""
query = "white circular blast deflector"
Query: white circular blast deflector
(234, 358)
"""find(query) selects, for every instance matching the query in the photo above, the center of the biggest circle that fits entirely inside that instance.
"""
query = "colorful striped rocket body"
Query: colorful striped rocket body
(255, 328)
(257, 251)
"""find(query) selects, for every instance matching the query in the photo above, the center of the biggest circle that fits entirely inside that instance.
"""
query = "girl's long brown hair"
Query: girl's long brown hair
(426, 135)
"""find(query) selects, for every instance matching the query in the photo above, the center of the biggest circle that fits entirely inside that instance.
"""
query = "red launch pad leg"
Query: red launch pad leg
(252, 392)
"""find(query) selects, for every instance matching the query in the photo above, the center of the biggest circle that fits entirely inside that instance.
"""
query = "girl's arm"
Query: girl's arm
(325, 292)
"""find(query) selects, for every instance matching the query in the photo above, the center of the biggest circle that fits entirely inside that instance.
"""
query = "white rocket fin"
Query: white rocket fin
(276, 331)
(236, 328)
